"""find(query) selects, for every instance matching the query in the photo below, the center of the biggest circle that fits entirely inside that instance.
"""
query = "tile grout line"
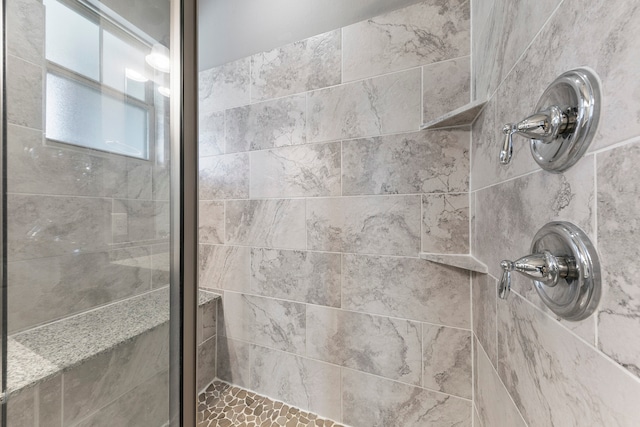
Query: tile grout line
(596, 314)
(497, 375)
(584, 341)
(342, 84)
(343, 310)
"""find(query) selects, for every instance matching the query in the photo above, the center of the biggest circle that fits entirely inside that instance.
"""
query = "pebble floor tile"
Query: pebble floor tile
(225, 405)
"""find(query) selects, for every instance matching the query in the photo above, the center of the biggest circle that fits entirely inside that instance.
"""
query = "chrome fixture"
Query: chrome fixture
(565, 122)
(565, 270)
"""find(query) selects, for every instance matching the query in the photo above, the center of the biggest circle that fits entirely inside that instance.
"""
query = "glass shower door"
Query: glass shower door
(88, 213)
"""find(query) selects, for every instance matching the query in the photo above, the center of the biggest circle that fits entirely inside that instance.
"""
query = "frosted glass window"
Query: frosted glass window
(80, 115)
(72, 40)
(117, 56)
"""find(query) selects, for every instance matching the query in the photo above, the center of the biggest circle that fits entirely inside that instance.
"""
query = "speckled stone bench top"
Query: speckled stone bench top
(39, 353)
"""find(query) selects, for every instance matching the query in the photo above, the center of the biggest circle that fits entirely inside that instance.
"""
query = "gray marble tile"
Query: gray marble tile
(264, 321)
(380, 224)
(225, 86)
(208, 319)
(233, 361)
(211, 222)
(421, 162)
(447, 360)
(504, 30)
(95, 383)
(445, 223)
(139, 179)
(381, 105)
(20, 408)
(305, 171)
(211, 137)
(50, 402)
(495, 407)
(145, 220)
(420, 34)
(476, 418)
(611, 52)
(484, 299)
(301, 382)
(446, 86)
(555, 378)
(485, 40)
(311, 277)
(369, 401)
(224, 267)
(160, 265)
(487, 140)
(267, 223)
(618, 247)
(224, 177)
(145, 405)
(114, 175)
(270, 124)
(206, 363)
(24, 96)
(161, 181)
(58, 286)
(41, 226)
(305, 65)
(506, 220)
(378, 345)
(25, 30)
(36, 168)
(408, 288)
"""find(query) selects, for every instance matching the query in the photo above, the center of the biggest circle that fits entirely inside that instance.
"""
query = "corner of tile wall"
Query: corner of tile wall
(599, 194)
(314, 240)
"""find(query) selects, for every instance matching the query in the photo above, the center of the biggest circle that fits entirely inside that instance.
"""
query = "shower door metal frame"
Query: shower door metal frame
(3, 224)
(184, 212)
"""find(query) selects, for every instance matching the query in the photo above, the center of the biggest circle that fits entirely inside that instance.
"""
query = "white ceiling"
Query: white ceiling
(234, 29)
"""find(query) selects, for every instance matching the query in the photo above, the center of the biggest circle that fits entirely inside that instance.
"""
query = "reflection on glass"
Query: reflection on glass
(118, 56)
(72, 40)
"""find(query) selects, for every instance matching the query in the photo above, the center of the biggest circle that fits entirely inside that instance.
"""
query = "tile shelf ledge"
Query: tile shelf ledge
(463, 116)
(466, 262)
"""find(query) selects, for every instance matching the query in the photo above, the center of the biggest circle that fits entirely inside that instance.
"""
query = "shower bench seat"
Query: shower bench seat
(100, 342)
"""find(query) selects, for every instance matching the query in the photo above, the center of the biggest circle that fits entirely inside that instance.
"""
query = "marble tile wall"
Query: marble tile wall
(532, 369)
(84, 228)
(207, 328)
(108, 389)
(318, 192)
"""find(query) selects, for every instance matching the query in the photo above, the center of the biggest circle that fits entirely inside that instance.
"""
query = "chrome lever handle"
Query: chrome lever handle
(505, 281)
(543, 267)
(544, 126)
(507, 147)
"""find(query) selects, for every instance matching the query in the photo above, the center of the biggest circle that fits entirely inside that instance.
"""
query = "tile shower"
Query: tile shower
(318, 193)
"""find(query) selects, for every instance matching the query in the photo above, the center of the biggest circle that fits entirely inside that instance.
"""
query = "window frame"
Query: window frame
(106, 23)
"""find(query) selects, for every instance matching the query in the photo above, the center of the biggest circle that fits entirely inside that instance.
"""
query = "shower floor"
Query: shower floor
(224, 405)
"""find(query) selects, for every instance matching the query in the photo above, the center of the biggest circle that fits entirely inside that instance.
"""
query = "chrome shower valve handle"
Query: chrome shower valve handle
(564, 268)
(544, 126)
(564, 123)
(543, 267)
